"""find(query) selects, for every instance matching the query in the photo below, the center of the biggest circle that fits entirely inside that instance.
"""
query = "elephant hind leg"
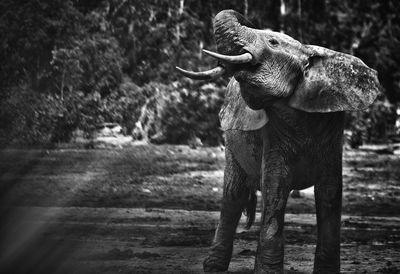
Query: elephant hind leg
(237, 197)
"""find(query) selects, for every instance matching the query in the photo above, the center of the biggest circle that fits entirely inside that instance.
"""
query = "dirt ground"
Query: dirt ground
(154, 209)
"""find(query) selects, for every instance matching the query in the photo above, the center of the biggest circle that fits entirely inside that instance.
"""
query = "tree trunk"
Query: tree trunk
(181, 6)
(201, 46)
(282, 16)
(300, 21)
(62, 84)
(178, 27)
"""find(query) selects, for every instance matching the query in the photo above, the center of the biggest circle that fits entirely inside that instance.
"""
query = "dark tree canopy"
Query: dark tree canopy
(71, 64)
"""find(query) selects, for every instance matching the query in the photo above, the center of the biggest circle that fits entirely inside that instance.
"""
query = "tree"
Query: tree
(30, 30)
(71, 64)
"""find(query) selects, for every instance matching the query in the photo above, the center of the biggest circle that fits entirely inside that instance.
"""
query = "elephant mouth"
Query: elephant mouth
(227, 65)
(231, 38)
(239, 66)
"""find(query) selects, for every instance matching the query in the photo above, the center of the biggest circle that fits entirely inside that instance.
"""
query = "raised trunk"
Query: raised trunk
(231, 32)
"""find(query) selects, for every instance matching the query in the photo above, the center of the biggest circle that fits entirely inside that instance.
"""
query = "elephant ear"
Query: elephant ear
(235, 114)
(334, 81)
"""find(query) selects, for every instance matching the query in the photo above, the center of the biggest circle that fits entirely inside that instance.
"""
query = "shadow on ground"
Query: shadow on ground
(153, 209)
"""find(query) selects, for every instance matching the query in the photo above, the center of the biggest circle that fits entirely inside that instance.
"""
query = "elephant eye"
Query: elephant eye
(273, 42)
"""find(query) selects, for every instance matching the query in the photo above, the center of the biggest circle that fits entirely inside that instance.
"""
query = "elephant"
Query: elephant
(283, 119)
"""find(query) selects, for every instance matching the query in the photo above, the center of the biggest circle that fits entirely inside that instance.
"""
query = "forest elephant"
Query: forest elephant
(283, 119)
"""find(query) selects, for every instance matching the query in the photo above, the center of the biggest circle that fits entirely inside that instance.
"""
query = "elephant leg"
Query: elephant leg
(275, 191)
(328, 201)
(235, 197)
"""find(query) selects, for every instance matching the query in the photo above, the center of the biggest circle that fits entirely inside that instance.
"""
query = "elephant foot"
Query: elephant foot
(326, 265)
(265, 268)
(215, 264)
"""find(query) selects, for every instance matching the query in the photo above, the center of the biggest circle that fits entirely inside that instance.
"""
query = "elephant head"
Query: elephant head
(270, 66)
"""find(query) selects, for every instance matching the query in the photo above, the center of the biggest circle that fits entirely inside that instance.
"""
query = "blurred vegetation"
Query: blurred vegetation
(74, 64)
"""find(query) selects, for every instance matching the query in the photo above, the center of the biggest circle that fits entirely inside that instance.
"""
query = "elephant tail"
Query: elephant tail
(250, 210)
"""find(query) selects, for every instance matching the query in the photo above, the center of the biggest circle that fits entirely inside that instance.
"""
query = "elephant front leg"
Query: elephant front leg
(275, 191)
(234, 200)
(328, 200)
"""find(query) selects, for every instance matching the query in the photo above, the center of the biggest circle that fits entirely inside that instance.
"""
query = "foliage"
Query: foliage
(372, 125)
(28, 118)
(194, 113)
(177, 114)
(72, 64)
(30, 30)
(93, 64)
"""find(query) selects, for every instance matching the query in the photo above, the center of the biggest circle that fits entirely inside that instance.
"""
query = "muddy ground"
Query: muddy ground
(153, 209)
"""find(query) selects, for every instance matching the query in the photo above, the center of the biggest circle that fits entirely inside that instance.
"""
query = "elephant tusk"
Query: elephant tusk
(203, 75)
(234, 59)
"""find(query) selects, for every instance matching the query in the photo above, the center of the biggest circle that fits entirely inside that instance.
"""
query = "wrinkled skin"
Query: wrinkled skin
(283, 119)
(312, 157)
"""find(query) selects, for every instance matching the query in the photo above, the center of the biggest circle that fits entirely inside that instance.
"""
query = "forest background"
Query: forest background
(69, 66)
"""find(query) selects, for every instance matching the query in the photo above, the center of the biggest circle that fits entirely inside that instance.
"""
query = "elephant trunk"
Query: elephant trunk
(232, 35)
(232, 32)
